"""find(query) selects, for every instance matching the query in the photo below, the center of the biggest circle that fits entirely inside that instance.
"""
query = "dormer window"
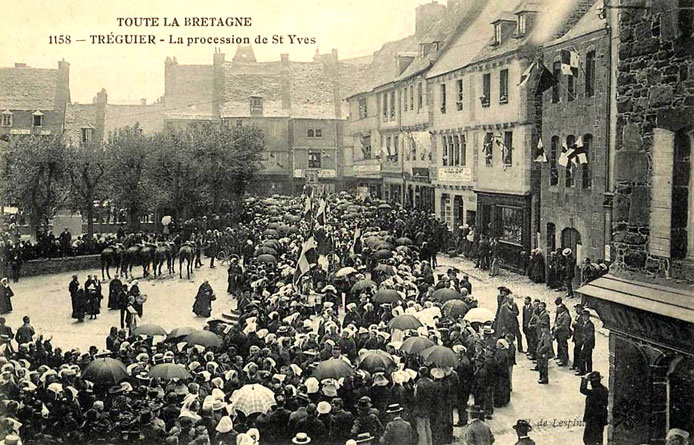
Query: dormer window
(497, 33)
(37, 119)
(7, 118)
(521, 24)
(87, 134)
(256, 103)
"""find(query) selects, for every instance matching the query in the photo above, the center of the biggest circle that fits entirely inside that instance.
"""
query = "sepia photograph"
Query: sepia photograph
(347, 222)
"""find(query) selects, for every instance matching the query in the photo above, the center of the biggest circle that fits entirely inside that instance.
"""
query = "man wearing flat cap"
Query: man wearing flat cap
(522, 428)
(595, 413)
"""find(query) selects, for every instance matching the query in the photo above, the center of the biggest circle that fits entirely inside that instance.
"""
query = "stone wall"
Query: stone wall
(655, 89)
(59, 265)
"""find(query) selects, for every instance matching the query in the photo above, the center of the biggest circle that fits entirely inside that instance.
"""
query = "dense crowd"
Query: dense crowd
(342, 334)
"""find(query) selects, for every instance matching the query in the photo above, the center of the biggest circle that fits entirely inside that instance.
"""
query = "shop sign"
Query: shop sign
(455, 174)
(420, 174)
(368, 168)
(327, 173)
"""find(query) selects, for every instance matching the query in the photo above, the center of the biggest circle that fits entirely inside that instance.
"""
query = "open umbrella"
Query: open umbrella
(270, 232)
(415, 345)
(168, 371)
(105, 371)
(440, 356)
(265, 251)
(180, 332)
(292, 218)
(385, 207)
(444, 295)
(274, 225)
(404, 241)
(265, 258)
(384, 246)
(149, 330)
(333, 368)
(479, 315)
(252, 399)
(404, 322)
(383, 254)
(455, 308)
(387, 296)
(204, 338)
(362, 285)
(404, 249)
(345, 271)
(386, 268)
(375, 360)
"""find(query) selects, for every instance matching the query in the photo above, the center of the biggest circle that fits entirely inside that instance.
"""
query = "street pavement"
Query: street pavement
(554, 410)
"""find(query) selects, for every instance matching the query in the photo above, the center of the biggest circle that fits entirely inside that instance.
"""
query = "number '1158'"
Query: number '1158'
(59, 40)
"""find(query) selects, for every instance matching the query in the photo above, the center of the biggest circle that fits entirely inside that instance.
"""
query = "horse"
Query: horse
(163, 253)
(111, 256)
(147, 257)
(131, 257)
(186, 253)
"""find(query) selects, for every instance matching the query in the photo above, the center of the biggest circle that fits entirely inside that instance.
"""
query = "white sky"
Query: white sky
(131, 72)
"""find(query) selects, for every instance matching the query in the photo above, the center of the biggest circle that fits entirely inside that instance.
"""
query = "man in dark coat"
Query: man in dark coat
(398, 431)
(568, 270)
(6, 295)
(595, 414)
(588, 329)
(545, 352)
(562, 332)
(578, 338)
(114, 289)
(73, 287)
(425, 399)
(477, 432)
(530, 339)
(522, 428)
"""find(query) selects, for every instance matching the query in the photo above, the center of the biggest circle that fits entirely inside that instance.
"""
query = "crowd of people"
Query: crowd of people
(342, 334)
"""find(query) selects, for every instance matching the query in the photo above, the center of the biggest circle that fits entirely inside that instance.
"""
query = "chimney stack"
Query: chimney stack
(62, 91)
(101, 101)
(218, 76)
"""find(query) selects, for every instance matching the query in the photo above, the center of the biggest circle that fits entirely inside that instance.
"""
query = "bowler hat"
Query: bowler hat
(594, 376)
(522, 426)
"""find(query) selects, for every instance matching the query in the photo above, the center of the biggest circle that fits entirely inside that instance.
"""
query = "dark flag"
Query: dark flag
(546, 81)
(541, 156)
(307, 257)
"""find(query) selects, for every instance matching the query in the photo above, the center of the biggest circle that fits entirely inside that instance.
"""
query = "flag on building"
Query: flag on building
(303, 266)
(564, 157)
(541, 156)
(547, 80)
(526, 74)
(569, 62)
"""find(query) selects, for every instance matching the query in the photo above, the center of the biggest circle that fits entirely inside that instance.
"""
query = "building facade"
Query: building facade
(574, 111)
(647, 301)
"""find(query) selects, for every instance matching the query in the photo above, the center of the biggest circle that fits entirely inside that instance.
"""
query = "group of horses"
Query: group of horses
(150, 256)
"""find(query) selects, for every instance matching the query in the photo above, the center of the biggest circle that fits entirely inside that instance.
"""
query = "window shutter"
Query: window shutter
(661, 189)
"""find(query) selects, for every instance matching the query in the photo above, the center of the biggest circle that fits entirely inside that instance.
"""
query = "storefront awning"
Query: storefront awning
(668, 301)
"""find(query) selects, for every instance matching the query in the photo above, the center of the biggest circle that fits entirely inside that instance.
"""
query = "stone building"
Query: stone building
(33, 100)
(574, 112)
(647, 301)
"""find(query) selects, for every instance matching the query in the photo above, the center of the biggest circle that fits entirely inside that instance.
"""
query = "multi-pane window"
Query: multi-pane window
(508, 148)
(443, 98)
(488, 149)
(444, 150)
(556, 71)
(404, 99)
(366, 146)
(87, 134)
(396, 149)
(497, 34)
(314, 159)
(392, 105)
(384, 104)
(553, 171)
(411, 97)
(309, 133)
(521, 24)
(363, 111)
(456, 149)
(568, 171)
(590, 73)
(37, 119)
(7, 119)
(570, 87)
(503, 86)
(486, 89)
(459, 97)
(463, 150)
(420, 96)
(587, 174)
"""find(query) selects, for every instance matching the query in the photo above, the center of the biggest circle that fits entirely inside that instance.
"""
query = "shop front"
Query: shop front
(393, 188)
(506, 217)
(419, 190)
(319, 180)
(651, 356)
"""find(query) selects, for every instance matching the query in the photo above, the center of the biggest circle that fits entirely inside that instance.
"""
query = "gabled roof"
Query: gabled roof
(24, 88)
(505, 16)
(451, 26)
(590, 22)
(470, 40)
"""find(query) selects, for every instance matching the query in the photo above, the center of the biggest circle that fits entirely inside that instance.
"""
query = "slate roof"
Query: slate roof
(25, 88)
(590, 22)
(445, 31)
(78, 116)
(470, 41)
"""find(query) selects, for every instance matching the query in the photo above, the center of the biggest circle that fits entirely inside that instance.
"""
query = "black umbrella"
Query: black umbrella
(444, 295)
(383, 254)
(105, 371)
(362, 285)
(387, 296)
